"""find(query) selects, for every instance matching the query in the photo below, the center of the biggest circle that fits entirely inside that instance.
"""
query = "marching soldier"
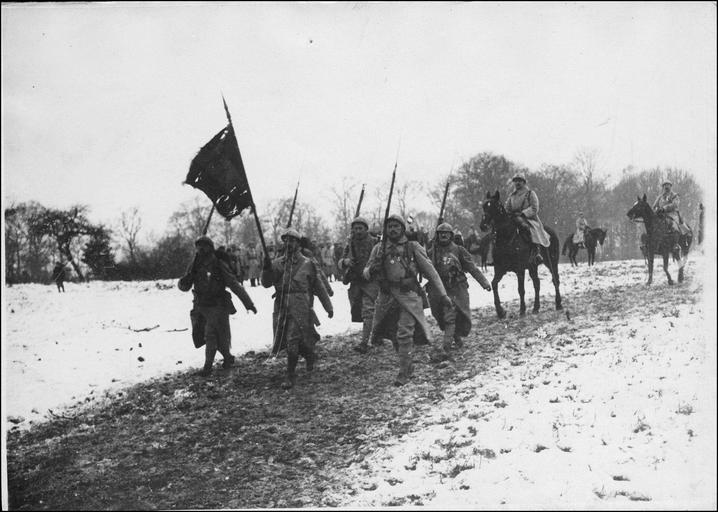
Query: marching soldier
(295, 279)
(362, 292)
(452, 261)
(400, 303)
(210, 275)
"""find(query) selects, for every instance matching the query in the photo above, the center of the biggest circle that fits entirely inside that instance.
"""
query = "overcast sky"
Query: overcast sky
(106, 105)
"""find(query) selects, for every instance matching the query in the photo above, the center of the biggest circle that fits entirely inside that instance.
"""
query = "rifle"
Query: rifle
(361, 198)
(386, 215)
(441, 218)
(294, 203)
(347, 277)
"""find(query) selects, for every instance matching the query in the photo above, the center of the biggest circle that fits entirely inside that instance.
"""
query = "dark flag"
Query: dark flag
(218, 171)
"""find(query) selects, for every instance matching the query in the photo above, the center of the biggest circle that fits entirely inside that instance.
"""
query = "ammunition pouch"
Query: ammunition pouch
(405, 285)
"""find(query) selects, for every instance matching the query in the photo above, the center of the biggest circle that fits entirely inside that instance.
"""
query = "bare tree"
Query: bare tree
(130, 225)
(586, 163)
(344, 206)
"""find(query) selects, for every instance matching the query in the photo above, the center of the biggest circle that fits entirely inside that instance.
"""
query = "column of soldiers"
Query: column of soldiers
(385, 294)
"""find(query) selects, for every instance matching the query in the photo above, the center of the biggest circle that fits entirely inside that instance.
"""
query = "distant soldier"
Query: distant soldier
(295, 279)
(253, 264)
(58, 275)
(666, 205)
(400, 301)
(210, 275)
(309, 250)
(362, 293)
(452, 262)
(523, 204)
(328, 260)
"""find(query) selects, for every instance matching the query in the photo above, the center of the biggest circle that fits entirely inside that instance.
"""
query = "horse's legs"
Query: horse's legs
(590, 254)
(665, 266)
(551, 263)
(533, 274)
(498, 274)
(649, 259)
(520, 275)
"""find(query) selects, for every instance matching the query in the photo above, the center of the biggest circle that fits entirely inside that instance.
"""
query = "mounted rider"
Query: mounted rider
(666, 206)
(581, 228)
(523, 205)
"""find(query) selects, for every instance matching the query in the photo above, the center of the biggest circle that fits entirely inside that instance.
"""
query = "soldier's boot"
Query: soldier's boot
(290, 379)
(406, 367)
(228, 362)
(366, 336)
(206, 370)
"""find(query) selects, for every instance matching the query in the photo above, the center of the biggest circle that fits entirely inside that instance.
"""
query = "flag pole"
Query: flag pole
(249, 189)
(206, 226)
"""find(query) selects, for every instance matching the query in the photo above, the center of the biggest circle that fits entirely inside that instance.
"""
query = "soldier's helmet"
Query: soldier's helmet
(398, 218)
(204, 239)
(361, 220)
(291, 232)
(518, 177)
(445, 227)
(667, 182)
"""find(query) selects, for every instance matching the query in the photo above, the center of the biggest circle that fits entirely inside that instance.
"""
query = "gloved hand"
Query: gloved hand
(487, 287)
(446, 301)
(330, 313)
(659, 210)
(253, 309)
(366, 274)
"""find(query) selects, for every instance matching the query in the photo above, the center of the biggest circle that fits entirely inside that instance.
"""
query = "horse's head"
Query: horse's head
(600, 235)
(492, 210)
(640, 210)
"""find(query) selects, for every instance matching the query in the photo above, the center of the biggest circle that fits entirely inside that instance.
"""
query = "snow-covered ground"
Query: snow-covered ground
(61, 349)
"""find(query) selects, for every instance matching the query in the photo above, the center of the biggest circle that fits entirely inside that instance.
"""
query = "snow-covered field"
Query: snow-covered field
(64, 349)
(610, 404)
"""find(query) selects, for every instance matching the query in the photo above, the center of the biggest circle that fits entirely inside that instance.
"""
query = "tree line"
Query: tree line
(36, 237)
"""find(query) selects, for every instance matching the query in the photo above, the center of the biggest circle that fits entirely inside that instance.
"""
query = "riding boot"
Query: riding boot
(291, 366)
(406, 368)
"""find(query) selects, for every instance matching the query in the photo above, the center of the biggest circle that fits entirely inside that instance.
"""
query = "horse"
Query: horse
(511, 254)
(660, 239)
(591, 238)
(485, 245)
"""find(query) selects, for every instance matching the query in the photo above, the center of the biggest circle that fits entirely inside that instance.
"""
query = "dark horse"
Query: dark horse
(591, 238)
(660, 239)
(511, 254)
